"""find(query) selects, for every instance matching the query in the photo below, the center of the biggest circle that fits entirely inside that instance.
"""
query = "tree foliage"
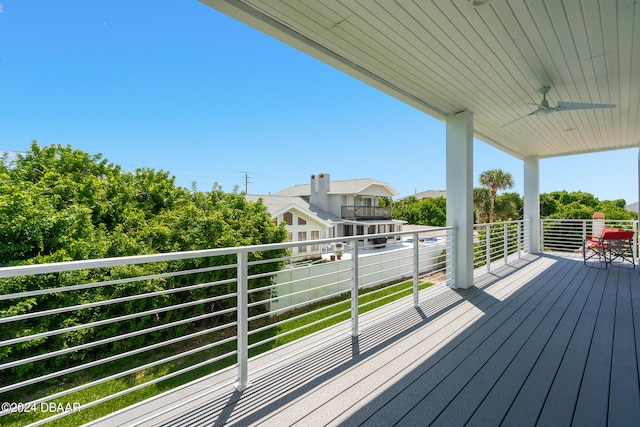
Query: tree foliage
(509, 206)
(582, 205)
(495, 180)
(61, 204)
(480, 205)
(433, 210)
(427, 211)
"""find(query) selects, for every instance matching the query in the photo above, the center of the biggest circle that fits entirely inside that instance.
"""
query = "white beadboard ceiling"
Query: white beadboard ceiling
(446, 56)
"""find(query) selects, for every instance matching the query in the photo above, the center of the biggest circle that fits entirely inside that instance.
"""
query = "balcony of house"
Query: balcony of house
(364, 213)
(245, 336)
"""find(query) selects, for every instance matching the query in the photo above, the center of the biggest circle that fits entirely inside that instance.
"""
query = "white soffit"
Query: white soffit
(446, 56)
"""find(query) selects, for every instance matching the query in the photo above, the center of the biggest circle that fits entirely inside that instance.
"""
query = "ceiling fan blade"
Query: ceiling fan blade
(544, 108)
(562, 106)
(515, 120)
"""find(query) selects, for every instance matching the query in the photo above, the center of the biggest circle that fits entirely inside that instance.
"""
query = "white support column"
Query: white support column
(460, 195)
(532, 200)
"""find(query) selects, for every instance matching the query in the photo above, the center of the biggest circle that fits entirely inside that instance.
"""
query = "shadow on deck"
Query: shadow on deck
(544, 340)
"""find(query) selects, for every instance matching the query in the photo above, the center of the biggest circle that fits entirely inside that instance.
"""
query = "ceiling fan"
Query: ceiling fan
(544, 108)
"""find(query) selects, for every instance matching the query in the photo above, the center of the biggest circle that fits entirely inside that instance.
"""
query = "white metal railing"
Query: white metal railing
(497, 243)
(566, 235)
(73, 327)
(206, 311)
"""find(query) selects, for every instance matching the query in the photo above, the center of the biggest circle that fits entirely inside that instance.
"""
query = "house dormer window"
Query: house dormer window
(288, 218)
(301, 221)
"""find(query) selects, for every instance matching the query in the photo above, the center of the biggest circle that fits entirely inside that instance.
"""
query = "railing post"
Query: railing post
(636, 225)
(541, 221)
(243, 322)
(354, 290)
(635, 236)
(637, 230)
(487, 250)
(416, 270)
(519, 240)
(506, 244)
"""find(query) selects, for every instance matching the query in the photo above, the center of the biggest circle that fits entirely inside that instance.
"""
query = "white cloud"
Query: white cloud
(1, 11)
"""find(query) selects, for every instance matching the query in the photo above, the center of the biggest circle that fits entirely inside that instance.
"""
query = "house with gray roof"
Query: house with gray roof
(429, 193)
(325, 209)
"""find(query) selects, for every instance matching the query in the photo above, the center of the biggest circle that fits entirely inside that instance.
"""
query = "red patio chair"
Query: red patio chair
(612, 244)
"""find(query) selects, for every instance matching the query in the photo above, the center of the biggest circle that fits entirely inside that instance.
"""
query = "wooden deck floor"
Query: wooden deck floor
(543, 341)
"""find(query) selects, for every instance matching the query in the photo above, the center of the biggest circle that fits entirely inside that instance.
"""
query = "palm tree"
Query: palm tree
(481, 204)
(494, 180)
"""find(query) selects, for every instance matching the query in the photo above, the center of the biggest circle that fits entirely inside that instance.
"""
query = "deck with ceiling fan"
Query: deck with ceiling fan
(542, 339)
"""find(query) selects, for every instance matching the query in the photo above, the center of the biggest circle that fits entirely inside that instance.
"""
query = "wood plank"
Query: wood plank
(498, 401)
(624, 395)
(592, 404)
(634, 278)
(343, 392)
(527, 405)
(534, 330)
(489, 394)
(563, 394)
(468, 352)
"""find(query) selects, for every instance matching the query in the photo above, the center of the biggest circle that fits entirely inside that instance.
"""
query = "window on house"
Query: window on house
(381, 229)
(289, 237)
(288, 218)
(371, 229)
(315, 235)
(302, 236)
(360, 230)
(347, 230)
(301, 221)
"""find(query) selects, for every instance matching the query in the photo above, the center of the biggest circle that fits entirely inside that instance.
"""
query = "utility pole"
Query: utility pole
(246, 182)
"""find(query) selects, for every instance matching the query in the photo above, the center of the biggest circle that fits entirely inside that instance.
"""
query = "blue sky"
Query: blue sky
(180, 87)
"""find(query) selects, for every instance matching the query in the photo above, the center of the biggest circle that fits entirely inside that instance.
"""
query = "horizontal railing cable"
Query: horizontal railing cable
(126, 391)
(88, 305)
(121, 337)
(298, 317)
(300, 305)
(119, 356)
(301, 292)
(27, 294)
(136, 369)
(112, 320)
(300, 328)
